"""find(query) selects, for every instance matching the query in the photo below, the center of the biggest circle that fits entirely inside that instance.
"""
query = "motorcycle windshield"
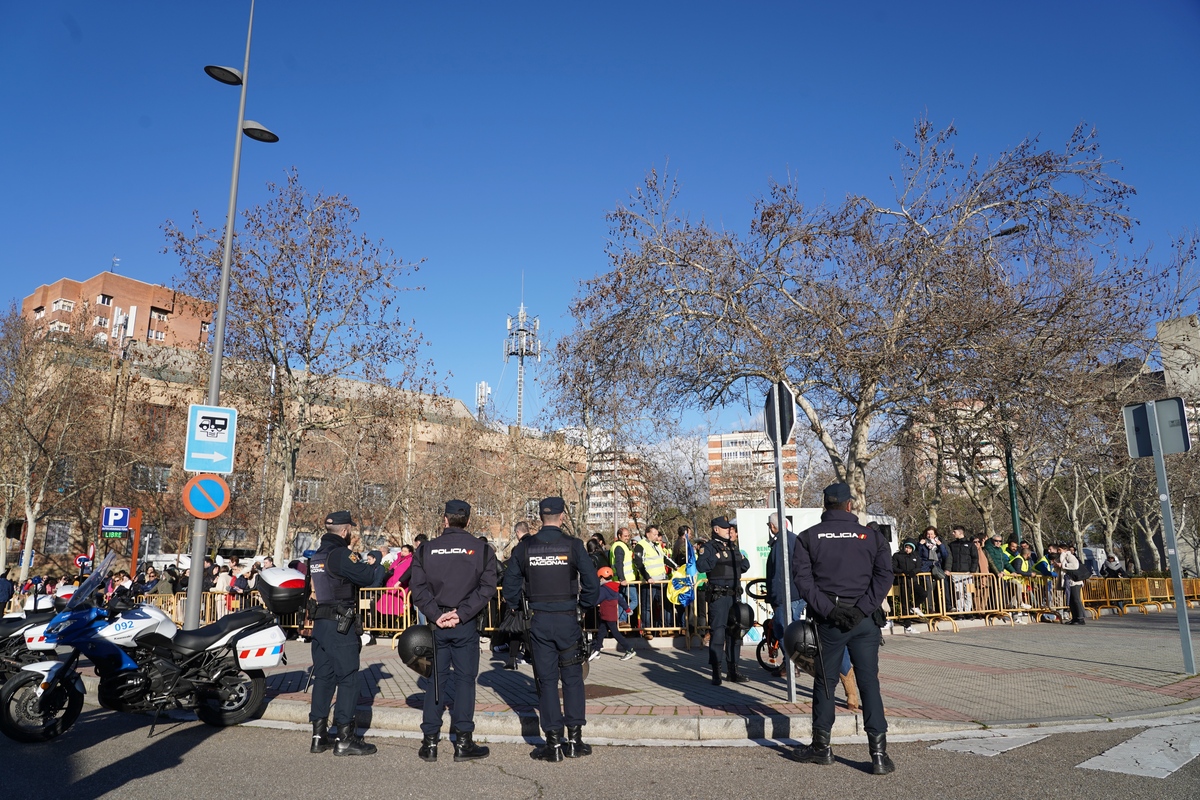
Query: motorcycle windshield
(89, 587)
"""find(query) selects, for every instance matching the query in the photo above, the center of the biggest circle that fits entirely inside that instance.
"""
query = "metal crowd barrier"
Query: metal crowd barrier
(960, 595)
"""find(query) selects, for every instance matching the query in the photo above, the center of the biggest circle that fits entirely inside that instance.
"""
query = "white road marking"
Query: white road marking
(1155, 753)
(990, 747)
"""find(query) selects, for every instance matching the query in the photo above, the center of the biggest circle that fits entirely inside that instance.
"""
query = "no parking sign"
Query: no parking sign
(206, 496)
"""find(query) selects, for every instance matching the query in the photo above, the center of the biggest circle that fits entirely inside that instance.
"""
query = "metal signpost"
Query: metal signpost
(779, 415)
(1159, 428)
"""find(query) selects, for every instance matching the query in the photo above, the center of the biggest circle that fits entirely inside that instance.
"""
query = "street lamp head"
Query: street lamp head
(257, 132)
(226, 75)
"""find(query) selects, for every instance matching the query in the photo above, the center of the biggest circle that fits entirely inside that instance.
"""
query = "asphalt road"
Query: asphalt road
(109, 755)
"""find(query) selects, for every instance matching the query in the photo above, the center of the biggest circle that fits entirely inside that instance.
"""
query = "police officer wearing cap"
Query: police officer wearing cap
(723, 562)
(453, 579)
(336, 574)
(554, 574)
(844, 571)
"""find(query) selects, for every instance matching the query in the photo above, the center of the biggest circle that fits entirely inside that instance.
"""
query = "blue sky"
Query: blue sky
(490, 139)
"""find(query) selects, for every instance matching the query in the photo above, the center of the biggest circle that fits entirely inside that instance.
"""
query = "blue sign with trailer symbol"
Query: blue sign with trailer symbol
(211, 434)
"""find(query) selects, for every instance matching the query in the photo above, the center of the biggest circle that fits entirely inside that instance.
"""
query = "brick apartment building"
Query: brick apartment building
(741, 470)
(117, 309)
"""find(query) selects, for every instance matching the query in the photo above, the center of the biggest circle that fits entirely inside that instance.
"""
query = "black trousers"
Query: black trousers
(863, 643)
(457, 646)
(611, 626)
(724, 646)
(1075, 601)
(335, 666)
(552, 634)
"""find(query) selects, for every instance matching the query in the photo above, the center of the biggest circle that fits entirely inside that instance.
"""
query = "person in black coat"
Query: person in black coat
(910, 592)
(554, 574)
(844, 571)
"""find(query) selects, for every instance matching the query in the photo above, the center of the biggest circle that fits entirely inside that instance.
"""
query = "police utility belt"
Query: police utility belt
(714, 591)
(344, 615)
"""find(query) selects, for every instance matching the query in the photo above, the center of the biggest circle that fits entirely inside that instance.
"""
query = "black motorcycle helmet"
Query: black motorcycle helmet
(800, 642)
(741, 616)
(415, 648)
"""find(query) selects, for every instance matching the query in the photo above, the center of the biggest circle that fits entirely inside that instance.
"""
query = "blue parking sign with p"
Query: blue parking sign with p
(115, 518)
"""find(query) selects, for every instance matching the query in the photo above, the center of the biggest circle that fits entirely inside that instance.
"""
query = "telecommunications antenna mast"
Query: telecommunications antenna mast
(522, 341)
(482, 392)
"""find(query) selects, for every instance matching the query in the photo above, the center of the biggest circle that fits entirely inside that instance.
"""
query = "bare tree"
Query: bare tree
(46, 396)
(318, 301)
(979, 282)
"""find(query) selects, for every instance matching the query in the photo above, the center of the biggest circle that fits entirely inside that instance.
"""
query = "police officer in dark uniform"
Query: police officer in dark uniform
(844, 571)
(453, 579)
(554, 573)
(723, 562)
(336, 573)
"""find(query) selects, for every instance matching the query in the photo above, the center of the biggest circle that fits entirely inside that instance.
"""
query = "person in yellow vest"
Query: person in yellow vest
(650, 566)
(622, 567)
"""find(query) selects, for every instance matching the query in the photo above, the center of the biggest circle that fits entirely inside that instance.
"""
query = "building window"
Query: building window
(104, 300)
(59, 327)
(64, 474)
(39, 312)
(374, 495)
(158, 315)
(308, 490)
(156, 336)
(155, 421)
(62, 305)
(205, 327)
(58, 537)
(150, 477)
(231, 537)
(100, 322)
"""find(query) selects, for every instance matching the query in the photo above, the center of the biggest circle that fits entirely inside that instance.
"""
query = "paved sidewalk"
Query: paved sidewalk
(933, 682)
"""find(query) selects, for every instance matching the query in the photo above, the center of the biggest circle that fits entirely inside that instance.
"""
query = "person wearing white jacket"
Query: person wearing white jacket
(1070, 568)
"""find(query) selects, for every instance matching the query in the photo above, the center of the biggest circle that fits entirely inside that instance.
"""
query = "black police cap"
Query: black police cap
(837, 493)
(339, 518)
(720, 522)
(552, 505)
(457, 508)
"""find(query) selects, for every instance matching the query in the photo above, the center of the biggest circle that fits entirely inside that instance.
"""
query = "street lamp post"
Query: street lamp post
(231, 77)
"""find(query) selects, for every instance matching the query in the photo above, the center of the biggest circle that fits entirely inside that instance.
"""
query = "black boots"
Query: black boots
(716, 675)
(428, 751)
(350, 743)
(735, 676)
(819, 752)
(321, 740)
(880, 763)
(465, 748)
(574, 747)
(552, 751)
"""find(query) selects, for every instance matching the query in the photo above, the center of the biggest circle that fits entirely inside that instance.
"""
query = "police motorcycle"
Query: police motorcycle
(16, 630)
(145, 664)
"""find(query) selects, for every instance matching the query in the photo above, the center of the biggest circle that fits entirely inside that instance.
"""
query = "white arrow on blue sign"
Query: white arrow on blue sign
(211, 434)
(115, 518)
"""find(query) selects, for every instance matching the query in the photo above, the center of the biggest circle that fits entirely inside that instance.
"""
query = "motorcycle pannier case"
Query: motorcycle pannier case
(282, 590)
(261, 649)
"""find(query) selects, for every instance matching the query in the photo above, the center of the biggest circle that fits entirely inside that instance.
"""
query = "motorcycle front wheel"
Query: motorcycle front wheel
(20, 719)
(242, 698)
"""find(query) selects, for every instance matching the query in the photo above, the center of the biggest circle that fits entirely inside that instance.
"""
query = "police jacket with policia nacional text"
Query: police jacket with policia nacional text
(335, 572)
(453, 571)
(716, 560)
(553, 572)
(840, 557)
